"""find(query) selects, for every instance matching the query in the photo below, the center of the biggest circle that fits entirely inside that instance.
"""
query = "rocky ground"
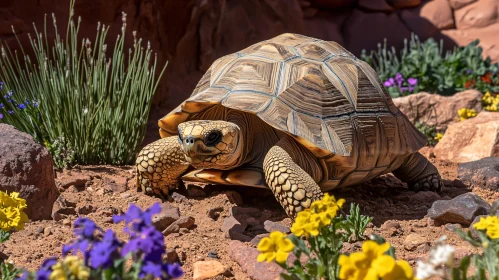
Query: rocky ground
(199, 223)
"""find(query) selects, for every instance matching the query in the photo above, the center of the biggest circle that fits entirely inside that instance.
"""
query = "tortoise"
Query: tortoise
(296, 114)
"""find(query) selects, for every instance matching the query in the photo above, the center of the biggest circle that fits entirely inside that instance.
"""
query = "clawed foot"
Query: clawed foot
(429, 183)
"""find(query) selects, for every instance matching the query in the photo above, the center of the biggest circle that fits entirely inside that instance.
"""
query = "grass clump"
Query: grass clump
(94, 96)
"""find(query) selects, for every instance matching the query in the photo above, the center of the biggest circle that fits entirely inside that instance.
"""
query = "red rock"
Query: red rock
(478, 14)
(166, 217)
(431, 16)
(413, 241)
(458, 4)
(438, 110)
(375, 5)
(27, 167)
(462, 209)
(207, 269)
(372, 28)
(487, 35)
(399, 4)
(246, 257)
(332, 4)
(482, 173)
(471, 139)
(326, 27)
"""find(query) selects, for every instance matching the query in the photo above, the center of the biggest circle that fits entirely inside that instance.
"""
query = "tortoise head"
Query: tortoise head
(209, 144)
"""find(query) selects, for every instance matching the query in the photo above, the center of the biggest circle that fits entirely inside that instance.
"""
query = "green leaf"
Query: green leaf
(4, 235)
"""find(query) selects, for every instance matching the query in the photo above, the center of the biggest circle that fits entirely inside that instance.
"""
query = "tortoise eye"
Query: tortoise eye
(213, 138)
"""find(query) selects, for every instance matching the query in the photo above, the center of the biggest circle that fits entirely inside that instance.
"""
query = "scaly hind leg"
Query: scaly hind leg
(294, 188)
(420, 174)
(160, 166)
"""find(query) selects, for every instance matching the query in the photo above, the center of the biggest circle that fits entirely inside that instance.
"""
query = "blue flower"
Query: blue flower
(35, 104)
(86, 228)
(150, 268)
(139, 218)
(174, 270)
(468, 71)
(1, 85)
(1, 116)
(45, 270)
(1, 105)
(21, 106)
(10, 112)
(150, 242)
(100, 255)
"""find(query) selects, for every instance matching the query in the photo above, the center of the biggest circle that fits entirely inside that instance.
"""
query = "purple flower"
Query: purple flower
(174, 270)
(139, 218)
(469, 71)
(35, 104)
(412, 81)
(1, 116)
(1, 85)
(149, 241)
(85, 228)
(10, 112)
(1, 105)
(399, 78)
(45, 270)
(390, 82)
(150, 268)
(100, 255)
(21, 106)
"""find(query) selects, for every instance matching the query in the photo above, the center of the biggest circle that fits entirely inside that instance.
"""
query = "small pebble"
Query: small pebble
(213, 254)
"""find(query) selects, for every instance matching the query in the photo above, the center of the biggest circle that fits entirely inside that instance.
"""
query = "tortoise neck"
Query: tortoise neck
(257, 136)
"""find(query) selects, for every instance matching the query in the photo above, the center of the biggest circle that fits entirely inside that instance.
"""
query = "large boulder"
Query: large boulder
(479, 14)
(427, 19)
(438, 110)
(27, 167)
(471, 139)
(482, 173)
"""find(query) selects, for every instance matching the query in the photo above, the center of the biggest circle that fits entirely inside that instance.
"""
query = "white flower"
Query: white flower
(85, 111)
(442, 254)
(425, 270)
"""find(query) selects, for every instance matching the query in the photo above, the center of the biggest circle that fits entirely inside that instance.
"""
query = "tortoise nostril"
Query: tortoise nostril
(189, 140)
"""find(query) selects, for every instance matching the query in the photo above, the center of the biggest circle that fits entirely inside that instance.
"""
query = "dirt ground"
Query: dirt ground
(108, 190)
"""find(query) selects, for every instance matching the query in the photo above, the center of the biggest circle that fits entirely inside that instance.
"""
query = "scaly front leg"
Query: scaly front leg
(160, 166)
(292, 186)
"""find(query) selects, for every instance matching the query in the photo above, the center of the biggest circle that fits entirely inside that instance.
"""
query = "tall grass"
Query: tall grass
(100, 103)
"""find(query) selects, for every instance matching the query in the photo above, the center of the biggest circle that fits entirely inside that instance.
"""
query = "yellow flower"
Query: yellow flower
(70, 266)
(401, 271)
(277, 247)
(372, 263)
(12, 217)
(321, 212)
(490, 224)
(465, 113)
(439, 136)
(11, 201)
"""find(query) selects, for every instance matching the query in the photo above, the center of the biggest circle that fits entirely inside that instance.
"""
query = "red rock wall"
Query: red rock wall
(191, 34)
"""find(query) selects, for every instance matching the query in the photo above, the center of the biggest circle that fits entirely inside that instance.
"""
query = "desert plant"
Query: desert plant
(432, 70)
(355, 224)
(98, 102)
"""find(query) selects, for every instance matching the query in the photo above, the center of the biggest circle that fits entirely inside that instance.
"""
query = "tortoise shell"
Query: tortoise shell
(319, 93)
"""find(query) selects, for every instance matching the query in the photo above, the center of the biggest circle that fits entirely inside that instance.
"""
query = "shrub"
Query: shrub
(98, 102)
(424, 67)
(105, 256)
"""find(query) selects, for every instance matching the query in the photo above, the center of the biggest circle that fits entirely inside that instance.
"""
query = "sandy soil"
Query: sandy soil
(111, 189)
